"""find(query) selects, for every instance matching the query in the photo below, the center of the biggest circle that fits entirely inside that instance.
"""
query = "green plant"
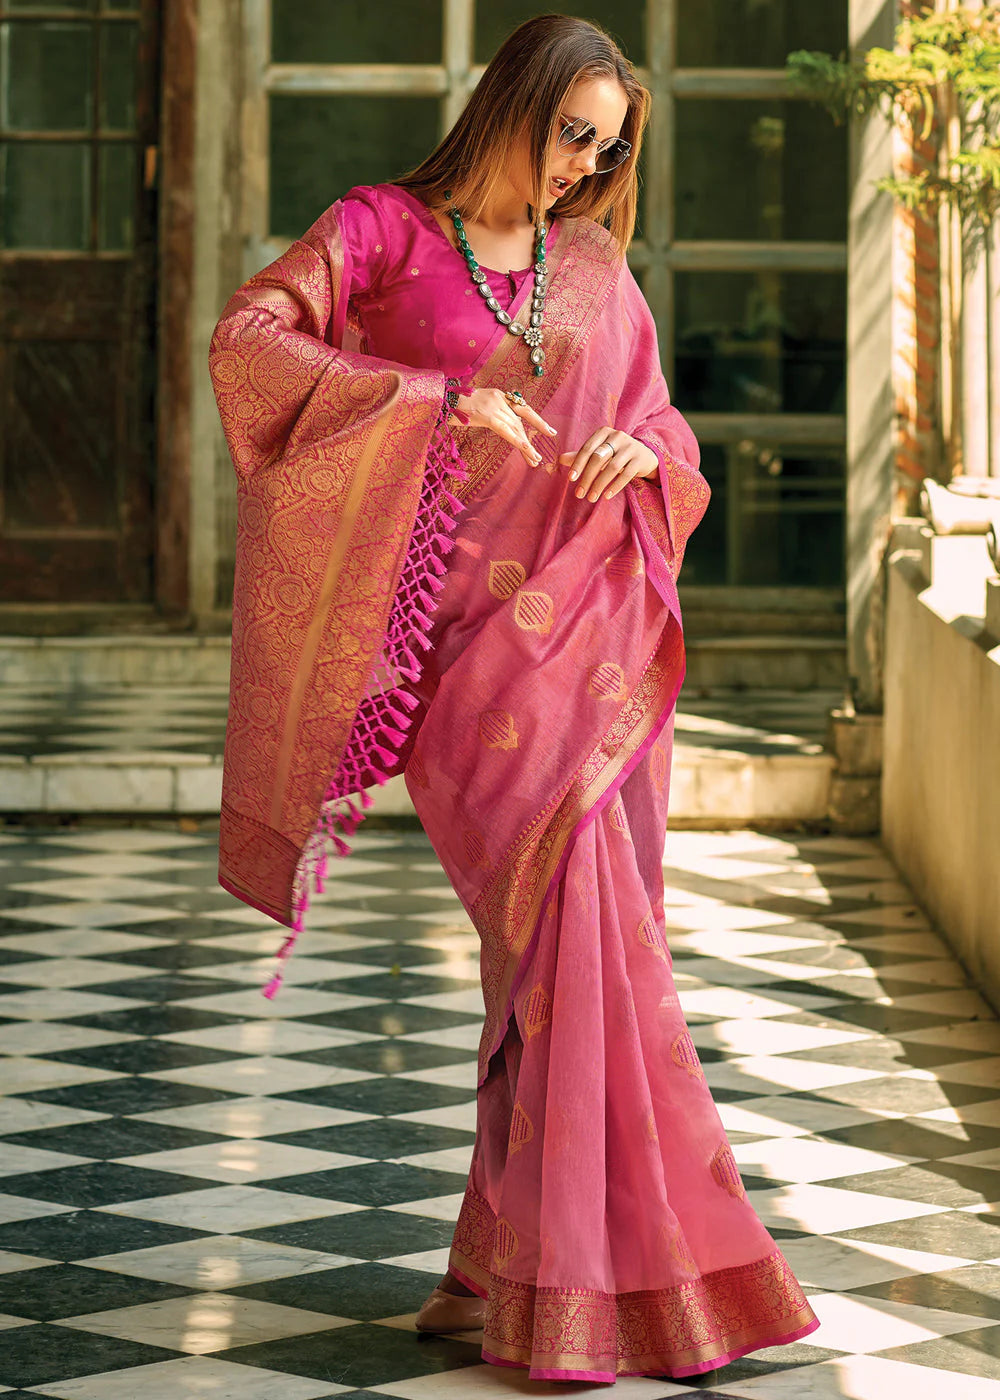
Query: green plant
(942, 78)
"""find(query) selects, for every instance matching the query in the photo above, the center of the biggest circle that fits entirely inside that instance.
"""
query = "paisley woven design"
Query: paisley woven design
(627, 563)
(537, 1011)
(618, 819)
(496, 729)
(649, 935)
(505, 577)
(658, 766)
(607, 681)
(533, 612)
(522, 1130)
(725, 1172)
(505, 1243)
(685, 1056)
(474, 846)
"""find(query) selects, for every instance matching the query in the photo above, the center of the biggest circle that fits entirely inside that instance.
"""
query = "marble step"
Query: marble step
(755, 660)
(739, 756)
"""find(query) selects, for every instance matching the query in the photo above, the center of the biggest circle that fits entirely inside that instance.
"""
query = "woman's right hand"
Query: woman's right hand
(490, 408)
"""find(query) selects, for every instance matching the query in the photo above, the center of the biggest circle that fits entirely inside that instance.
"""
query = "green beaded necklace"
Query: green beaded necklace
(532, 332)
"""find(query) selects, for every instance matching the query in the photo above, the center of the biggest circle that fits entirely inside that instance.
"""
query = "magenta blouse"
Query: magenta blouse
(412, 288)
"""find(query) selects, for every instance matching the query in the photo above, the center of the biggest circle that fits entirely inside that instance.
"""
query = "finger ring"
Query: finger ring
(514, 396)
(605, 449)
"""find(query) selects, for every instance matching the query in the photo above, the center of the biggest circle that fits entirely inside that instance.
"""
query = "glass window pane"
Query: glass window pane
(353, 31)
(760, 170)
(61, 410)
(776, 517)
(623, 21)
(760, 342)
(321, 146)
(119, 76)
(756, 33)
(46, 76)
(117, 195)
(45, 195)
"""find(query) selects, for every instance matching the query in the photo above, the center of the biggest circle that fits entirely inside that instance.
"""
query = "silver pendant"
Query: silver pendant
(516, 328)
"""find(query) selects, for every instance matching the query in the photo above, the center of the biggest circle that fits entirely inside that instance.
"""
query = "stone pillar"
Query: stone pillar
(869, 375)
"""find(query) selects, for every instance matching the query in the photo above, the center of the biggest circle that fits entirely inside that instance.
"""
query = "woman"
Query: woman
(394, 400)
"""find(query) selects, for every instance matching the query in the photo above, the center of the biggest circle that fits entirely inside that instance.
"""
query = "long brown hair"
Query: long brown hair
(521, 93)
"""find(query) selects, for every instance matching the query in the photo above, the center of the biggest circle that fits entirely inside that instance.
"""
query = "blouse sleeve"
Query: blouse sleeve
(364, 233)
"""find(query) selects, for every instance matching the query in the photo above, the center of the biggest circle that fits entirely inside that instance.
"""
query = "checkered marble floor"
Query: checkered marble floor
(205, 1193)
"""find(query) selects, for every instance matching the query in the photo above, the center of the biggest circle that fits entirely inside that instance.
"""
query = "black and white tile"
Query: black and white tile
(205, 1193)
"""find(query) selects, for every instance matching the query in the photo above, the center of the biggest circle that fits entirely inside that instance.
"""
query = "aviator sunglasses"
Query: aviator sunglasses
(579, 134)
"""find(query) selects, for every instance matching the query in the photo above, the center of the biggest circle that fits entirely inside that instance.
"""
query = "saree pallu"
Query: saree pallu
(605, 1220)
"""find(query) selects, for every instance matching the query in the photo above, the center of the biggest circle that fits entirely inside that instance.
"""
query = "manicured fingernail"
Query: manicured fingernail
(552, 430)
(580, 493)
(573, 476)
(592, 496)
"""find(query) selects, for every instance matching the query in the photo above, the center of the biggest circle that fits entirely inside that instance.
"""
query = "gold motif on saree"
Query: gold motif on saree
(496, 729)
(522, 1130)
(658, 766)
(685, 1056)
(537, 1010)
(726, 1173)
(415, 769)
(627, 563)
(505, 578)
(534, 613)
(607, 681)
(680, 1250)
(505, 1242)
(476, 854)
(618, 819)
(651, 938)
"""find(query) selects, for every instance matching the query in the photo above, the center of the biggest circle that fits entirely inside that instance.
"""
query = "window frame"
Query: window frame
(656, 257)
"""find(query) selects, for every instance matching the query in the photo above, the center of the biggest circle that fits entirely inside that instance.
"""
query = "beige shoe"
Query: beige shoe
(450, 1312)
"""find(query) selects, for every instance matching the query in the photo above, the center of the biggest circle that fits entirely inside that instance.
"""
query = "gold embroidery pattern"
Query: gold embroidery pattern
(650, 937)
(685, 1056)
(496, 729)
(505, 577)
(472, 1244)
(607, 681)
(522, 1130)
(680, 1251)
(510, 903)
(533, 612)
(726, 1173)
(505, 1243)
(618, 819)
(416, 770)
(475, 850)
(651, 1132)
(537, 1011)
(627, 563)
(702, 1320)
(658, 766)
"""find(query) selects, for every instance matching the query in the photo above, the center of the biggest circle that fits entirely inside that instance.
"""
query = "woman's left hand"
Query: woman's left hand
(607, 462)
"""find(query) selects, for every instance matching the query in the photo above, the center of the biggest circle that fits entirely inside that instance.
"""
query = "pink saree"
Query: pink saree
(408, 600)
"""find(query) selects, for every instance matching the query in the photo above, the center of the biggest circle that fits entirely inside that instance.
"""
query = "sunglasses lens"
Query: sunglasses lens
(614, 155)
(576, 137)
